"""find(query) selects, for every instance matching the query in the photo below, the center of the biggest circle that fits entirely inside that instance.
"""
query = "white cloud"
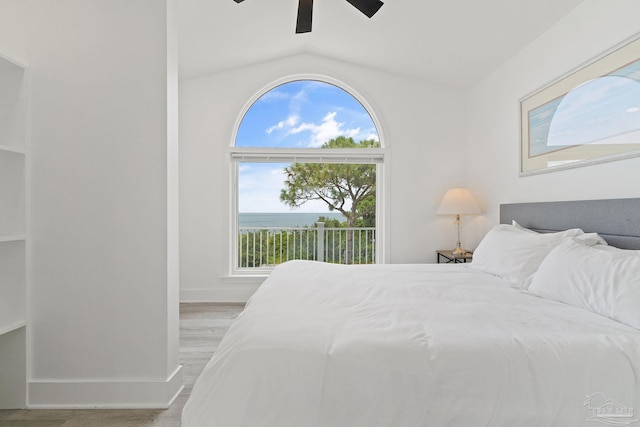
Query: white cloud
(325, 131)
(328, 129)
(298, 100)
(273, 95)
(284, 124)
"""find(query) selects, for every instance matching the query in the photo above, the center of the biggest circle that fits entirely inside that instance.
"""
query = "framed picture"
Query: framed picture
(588, 116)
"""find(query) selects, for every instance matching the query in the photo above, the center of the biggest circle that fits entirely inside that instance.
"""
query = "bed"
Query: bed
(521, 336)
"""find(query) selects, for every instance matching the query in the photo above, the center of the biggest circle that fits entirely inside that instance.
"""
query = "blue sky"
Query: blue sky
(300, 114)
(304, 114)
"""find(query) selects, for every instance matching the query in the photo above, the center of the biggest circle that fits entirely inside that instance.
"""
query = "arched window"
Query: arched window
(307, 165)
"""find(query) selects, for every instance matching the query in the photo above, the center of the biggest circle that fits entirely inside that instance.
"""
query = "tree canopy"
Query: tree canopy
(347, 188)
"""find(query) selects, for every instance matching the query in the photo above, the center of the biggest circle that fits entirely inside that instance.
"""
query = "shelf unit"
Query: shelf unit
(13, 234)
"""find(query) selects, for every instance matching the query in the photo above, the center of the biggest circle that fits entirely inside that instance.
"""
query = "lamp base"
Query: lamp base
(458, 251)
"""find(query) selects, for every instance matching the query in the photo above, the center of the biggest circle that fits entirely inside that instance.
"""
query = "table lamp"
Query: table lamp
(458, 202)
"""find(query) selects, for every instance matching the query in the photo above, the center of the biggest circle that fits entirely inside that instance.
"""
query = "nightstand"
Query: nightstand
(445, 256)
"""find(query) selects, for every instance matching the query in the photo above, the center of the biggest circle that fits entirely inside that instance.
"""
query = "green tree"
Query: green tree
(329, 222)
(346, 188)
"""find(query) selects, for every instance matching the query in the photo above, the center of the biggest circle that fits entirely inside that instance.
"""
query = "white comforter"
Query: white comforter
(323, 345)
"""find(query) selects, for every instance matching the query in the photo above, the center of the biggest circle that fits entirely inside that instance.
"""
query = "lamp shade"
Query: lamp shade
(458, 201)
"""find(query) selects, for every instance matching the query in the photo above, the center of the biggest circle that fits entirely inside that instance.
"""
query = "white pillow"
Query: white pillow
(521, 228)
(515, 254)
(587, 238)
(602, 279)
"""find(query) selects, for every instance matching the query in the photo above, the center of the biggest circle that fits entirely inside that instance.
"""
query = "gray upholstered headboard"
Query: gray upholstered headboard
(616, 220)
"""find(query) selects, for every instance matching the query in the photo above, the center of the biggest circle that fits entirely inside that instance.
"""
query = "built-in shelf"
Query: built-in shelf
(13, 233)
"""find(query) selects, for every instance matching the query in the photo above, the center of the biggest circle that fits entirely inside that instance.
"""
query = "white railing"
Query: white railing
(264, 247)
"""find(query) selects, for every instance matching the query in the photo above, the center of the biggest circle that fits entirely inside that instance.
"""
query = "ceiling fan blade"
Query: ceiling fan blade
(305, 15)
(368, 7)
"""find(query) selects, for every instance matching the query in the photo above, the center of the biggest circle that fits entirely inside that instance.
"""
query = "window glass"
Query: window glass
(317, 204)
(304, 114)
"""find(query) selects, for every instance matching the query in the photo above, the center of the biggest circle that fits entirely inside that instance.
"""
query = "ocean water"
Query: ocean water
(299, 219)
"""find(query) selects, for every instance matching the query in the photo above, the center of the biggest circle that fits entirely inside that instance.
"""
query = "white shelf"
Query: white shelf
(10, 149)
(13, 238)
(5, 329)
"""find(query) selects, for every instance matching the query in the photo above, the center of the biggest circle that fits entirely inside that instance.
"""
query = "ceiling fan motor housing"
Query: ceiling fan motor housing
(305, 11)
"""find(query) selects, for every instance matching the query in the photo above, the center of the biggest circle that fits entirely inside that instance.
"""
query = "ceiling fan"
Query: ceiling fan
(305, 11)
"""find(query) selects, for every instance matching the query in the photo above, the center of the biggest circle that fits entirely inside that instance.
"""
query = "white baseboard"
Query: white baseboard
(238, 292)
(106, 394)
(216, 295)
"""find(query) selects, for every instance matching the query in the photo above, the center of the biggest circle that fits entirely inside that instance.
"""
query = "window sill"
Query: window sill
(249, 279)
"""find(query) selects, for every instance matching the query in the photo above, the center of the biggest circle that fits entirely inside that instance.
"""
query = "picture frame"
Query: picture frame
(588, 116)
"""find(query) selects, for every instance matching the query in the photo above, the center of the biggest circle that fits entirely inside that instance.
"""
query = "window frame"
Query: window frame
(238, 155)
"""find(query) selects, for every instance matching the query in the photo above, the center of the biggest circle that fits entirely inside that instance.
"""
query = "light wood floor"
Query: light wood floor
(202, 326)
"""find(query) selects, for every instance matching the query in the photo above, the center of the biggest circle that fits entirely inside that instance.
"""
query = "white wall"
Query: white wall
(493, 136)
(423, 126)
(103, 306)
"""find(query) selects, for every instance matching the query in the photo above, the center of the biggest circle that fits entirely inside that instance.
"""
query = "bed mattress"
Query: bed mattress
(322, 345)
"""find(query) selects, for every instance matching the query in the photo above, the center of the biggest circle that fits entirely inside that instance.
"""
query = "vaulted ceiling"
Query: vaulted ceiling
(451, 42)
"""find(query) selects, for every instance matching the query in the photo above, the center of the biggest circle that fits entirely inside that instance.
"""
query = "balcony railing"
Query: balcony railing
(265, 247)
